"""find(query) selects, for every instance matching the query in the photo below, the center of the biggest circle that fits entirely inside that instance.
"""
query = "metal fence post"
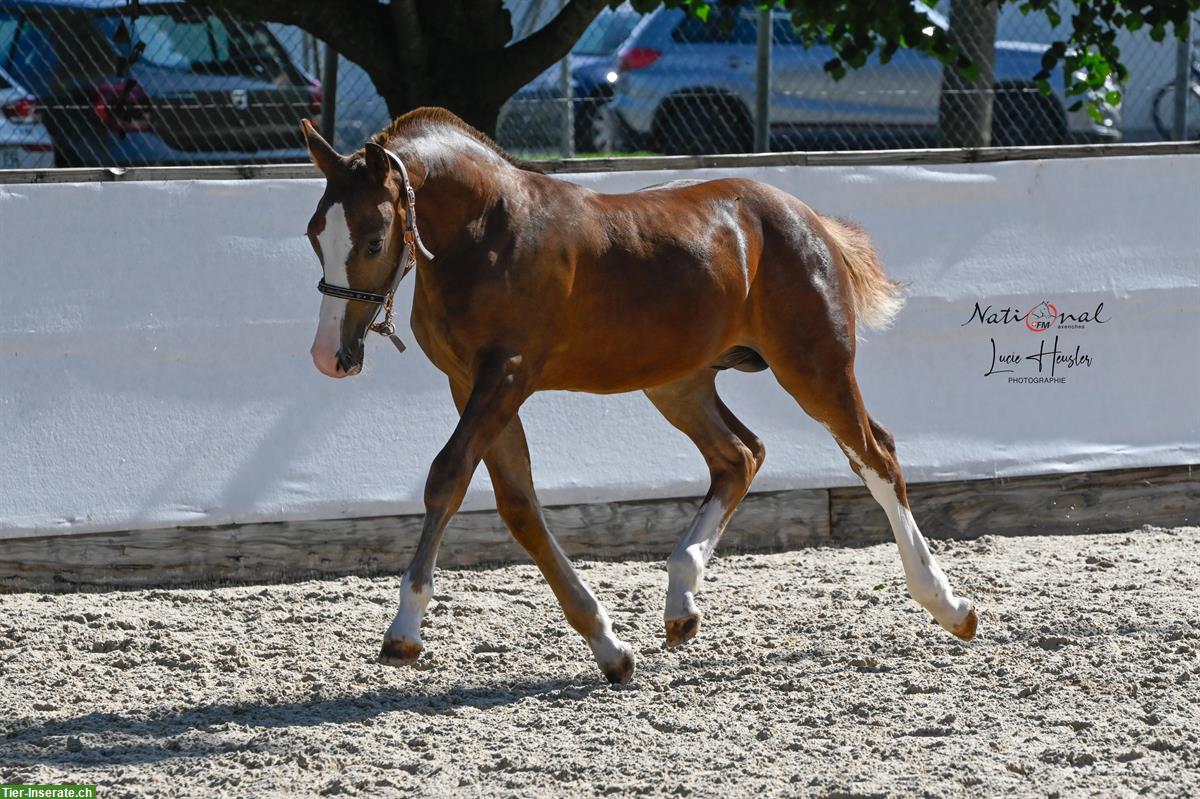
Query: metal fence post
(568, 129)
(329, 94)
(762, 84)
(1183, 76)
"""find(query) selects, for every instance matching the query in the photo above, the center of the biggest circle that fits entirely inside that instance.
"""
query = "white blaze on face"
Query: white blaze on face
(335, 249)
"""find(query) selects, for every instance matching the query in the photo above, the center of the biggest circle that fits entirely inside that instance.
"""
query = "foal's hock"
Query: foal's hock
(541, 284)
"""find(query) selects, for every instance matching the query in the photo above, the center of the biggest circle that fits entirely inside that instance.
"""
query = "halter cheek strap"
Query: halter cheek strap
(412, 244)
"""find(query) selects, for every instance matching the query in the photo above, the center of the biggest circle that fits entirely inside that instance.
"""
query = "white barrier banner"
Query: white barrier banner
(154, 337)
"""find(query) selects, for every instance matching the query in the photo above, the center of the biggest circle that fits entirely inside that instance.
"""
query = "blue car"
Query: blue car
(685, 87)
(209, 87)
(534, 116)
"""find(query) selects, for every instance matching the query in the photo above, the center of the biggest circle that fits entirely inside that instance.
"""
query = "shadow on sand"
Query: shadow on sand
(114, 738)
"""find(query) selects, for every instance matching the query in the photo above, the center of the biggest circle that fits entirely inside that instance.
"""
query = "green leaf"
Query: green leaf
(881, 586)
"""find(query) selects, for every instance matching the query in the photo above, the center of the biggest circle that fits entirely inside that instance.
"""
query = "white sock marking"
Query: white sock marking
(685, 568)
(605, 646)
(407, 624)
(926, 581)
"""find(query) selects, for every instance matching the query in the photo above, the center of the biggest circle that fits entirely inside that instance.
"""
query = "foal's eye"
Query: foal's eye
(374, 246)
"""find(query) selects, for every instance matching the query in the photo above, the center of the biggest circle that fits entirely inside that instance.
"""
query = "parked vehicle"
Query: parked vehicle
(209, 87)
(534, 116)
(24, 141)
(686, 86)
(1164, 103)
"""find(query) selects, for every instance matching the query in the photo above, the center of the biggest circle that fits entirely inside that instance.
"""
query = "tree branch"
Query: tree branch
(524, 60)
(358, 29)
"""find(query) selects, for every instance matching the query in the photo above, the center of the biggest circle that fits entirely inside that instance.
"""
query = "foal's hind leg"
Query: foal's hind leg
(825, 386)
(734, 455)
(508, 464)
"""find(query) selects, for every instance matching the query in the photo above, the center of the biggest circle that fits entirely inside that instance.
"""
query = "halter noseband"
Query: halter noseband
(412, 243)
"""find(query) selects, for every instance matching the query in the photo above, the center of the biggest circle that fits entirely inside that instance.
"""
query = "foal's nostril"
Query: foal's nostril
(348, 363)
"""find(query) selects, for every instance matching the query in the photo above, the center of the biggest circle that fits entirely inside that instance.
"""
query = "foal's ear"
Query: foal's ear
(323, 155)
(379, 163)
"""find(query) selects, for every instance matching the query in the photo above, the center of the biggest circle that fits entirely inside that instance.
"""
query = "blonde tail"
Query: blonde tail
(877, 298)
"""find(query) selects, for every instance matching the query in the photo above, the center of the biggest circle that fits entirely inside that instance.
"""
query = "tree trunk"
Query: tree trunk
(459, 89)
(965, 109)
(451, 53)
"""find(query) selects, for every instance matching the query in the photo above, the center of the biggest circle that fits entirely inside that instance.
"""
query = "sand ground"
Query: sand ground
(814, 675)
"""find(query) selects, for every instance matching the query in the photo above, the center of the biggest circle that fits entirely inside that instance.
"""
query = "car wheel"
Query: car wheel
(703, 125)
(1022, 117)
(586, 113)
(1164, 112)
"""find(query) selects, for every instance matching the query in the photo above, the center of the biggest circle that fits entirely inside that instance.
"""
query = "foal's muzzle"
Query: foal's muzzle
(346, 363)
(350, 358)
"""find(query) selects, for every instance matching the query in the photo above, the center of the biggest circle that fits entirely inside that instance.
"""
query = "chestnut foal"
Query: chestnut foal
(537, 284)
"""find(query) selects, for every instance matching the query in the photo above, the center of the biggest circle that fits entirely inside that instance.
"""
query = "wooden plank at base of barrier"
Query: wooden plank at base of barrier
(1088, 502)
(1094, 502)
(275, 551)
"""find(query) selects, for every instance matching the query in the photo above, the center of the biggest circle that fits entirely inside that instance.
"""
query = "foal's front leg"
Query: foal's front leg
(508, 464)
(501, 385)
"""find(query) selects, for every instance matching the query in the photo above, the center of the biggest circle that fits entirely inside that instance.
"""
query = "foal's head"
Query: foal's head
(358, 235)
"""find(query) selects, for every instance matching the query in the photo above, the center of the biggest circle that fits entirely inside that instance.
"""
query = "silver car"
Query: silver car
(686, 86)
(24, 140)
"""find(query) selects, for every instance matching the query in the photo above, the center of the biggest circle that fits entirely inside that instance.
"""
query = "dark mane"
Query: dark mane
(421, 117)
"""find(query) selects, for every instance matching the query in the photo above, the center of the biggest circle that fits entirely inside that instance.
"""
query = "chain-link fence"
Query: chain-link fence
(108, 83)
(671, 83)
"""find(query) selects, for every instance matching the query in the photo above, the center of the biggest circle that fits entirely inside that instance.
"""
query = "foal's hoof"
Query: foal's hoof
(619, 671)
(683, 629)
(965, 629)
(399, 653)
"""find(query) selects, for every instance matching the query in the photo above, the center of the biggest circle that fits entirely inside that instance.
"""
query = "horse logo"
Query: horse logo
(1041, 317)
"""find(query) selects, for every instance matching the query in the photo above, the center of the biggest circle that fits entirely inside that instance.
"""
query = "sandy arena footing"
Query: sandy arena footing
(814, 675)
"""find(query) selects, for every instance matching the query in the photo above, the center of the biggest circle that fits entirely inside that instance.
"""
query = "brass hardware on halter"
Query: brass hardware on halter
(387, 327)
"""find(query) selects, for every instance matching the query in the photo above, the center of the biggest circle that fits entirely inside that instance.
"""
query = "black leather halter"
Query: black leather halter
(412, 243)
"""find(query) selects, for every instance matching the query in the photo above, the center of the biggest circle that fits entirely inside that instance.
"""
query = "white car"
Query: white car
(24, 141)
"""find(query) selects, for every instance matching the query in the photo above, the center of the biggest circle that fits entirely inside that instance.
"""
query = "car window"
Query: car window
(196, 40)
(8, 32)
(606, 33)
(724, 26)
(30, 54)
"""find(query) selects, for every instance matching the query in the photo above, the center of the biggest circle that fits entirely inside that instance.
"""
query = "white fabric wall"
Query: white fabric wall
(154, 337)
